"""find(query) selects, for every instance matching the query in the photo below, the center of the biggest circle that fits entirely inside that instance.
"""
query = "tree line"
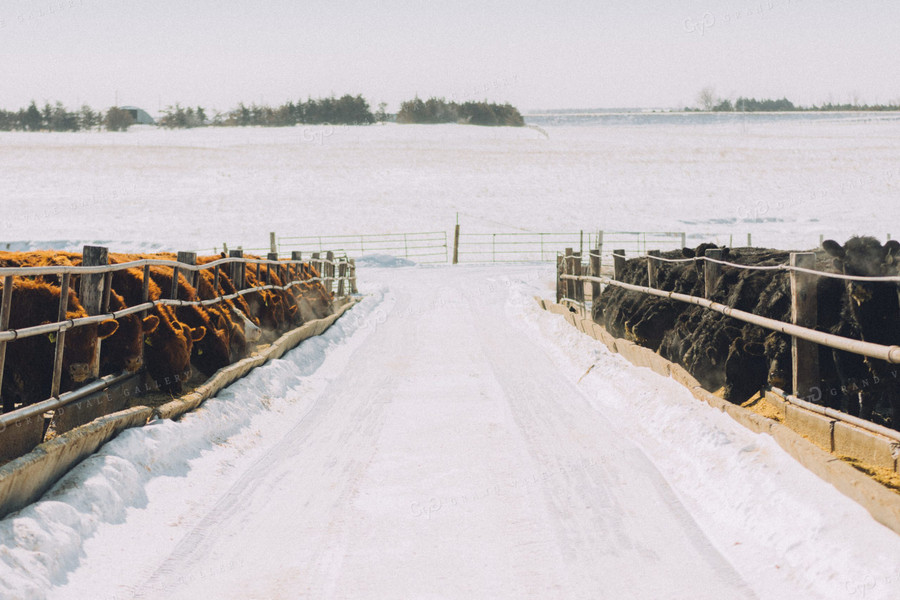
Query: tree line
(57, 118)
(708, 101)
(346, 110)
(438, 110)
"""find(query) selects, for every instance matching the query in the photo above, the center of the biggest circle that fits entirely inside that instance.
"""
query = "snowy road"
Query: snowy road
(444, 441)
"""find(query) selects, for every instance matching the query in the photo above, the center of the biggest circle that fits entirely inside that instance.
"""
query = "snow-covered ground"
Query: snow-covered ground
(446, 440)
(785, 180)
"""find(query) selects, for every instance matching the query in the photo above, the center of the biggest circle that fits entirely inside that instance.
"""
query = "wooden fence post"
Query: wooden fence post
(595, 272)
(342, 278)
(560, 271)
(271, 256)
(297, 270)
(652, 269)
(273, 245)
(712, 271)
(237, 270)
(61, 336)
(353, 289)
(456, 245)
(91, 292)
(329, 268)
(189, 258)
(5, 305)
(804, 308)
(579, 285)
(570, 270)
(618, 264)
(315, 264)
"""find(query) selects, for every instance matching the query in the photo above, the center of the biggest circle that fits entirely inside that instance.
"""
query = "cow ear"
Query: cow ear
(107, 328)
(891, 251)
(725, 251)
(833, 248)
(221, 324)
(150, 323)
(688, 253)
(197, 333)
(838, 264)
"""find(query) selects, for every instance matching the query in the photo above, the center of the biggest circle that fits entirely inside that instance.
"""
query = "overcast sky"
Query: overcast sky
(536, 55)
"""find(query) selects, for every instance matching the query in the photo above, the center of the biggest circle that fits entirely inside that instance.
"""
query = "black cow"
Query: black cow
(870, 312)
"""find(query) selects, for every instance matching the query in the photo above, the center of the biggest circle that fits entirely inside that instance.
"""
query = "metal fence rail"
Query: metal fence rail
(542, 247)
(336, 273)
(421, 247)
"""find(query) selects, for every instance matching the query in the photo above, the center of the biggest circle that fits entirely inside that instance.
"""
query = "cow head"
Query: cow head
(864, 256)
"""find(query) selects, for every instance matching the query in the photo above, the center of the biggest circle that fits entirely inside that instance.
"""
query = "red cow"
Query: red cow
(29, 361)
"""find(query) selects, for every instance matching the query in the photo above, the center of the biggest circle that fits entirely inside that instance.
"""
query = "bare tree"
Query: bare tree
(707, 98)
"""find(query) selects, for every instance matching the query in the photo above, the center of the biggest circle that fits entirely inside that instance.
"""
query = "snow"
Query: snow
(447, 438)
(443, 440)
(784, 180)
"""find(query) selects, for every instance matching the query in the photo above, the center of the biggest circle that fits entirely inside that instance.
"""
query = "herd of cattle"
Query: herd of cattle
(166, 340)
(722, 352)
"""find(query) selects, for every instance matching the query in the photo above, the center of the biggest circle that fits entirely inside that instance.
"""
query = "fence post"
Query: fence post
(618, 264)
(91, 292)
(189, 258)
(804, 308)
(315, 264)
(579, 285)
(329, 268)
(711, 271)
(652, 269)
(353, 289)
(273, 246)
(560, 270)
(595, 272)
(342, 277)
(749, 241)
(570, 270)
(237, 270)
(5, 306)
(683, 240)
(456, 245)
(61, 336)
(271, 256)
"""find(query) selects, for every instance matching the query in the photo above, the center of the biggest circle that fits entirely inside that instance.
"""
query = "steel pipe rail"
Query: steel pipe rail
(890, 354)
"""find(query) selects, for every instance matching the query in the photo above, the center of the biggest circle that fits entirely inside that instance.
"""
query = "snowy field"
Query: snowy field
(446, 439)
(443, 440)
(786, 180)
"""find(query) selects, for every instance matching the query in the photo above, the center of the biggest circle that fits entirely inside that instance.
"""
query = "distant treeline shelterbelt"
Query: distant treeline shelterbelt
(709, 102)
(346, 110)
(438, 110)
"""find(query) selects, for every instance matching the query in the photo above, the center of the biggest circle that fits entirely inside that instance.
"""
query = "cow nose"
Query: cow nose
(133, 364)
(79, 372)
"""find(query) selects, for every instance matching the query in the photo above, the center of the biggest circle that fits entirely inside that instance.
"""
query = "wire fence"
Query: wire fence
(427, 247)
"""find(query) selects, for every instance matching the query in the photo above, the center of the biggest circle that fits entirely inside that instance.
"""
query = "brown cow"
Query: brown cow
(29, 361)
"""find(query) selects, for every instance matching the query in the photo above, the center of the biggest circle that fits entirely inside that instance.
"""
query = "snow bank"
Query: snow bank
(41, 543)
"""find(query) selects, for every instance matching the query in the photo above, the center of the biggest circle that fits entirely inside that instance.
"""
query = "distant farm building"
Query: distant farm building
(139, 115)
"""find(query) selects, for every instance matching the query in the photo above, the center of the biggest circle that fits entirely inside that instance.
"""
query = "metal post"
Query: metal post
(456, 245)
(804, 308)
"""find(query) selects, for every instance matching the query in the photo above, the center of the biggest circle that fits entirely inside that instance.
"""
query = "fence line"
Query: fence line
(423, 246)
(339, 271)
(805, 354)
